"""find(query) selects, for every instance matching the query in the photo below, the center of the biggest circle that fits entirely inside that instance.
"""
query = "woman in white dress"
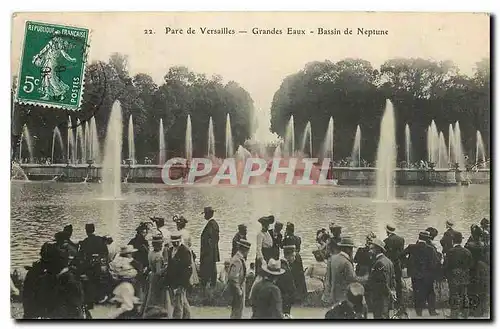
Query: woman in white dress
(316, 272)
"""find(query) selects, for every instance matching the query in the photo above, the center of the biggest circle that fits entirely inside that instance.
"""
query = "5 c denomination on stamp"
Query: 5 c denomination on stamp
(53, 65)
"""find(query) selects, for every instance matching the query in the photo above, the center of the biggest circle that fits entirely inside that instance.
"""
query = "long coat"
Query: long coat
(209, 250)
(266, 301)
(381, 278)
(277, 243)
(142, 246)
(339, 274)
(179, 268)
(394, 244)
(421, 260)
(457, 265)
(287, 286)
(299, 277)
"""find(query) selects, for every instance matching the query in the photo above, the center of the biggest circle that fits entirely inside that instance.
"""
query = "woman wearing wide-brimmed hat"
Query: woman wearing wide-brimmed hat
(265, 296)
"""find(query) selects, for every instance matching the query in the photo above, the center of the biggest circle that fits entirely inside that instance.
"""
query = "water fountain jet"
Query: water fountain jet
(386, 156)
(229, 138)
(161, 146)
(306, 136)
(57, 135)
(111, 166)
(131, 144)
(211, 139)
(356, 149)
(189, 139)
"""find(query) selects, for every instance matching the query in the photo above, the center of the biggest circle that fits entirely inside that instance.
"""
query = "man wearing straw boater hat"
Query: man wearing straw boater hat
(237, 277)
(266, 296)
(339, 273)
(179, 272)
(381, 280)
(394, 245)
(421, 260)
(209, 250)
(447, 239)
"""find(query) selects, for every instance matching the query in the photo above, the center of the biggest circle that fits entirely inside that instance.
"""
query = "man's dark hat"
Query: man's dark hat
(290, 225)
(241, 227)
(89, 227)
(390, 228)
(141, 227)
(68, 228)
(485, 221)
(207, 209)
(424, 235)
(289, 248)
(432, 231)
(244, 244)
(448, 223)
(278, 224)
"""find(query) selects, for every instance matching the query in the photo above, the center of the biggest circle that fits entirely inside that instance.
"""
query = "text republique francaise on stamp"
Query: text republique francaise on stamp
(52, 66)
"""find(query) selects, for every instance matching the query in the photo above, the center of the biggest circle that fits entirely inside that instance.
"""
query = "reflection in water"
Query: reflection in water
(40, 209)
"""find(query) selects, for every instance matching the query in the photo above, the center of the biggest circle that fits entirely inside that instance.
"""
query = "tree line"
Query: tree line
(354, 92)
(182, 92)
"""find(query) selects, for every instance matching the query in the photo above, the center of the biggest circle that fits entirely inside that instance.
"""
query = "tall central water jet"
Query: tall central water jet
(131, 144)
(111, 166)
(480, 151)
(161, 146)
(451, 143)
(306, 136)
(356, 149)
(211, 139)
(189, 139)
(57, 135)
(407, 144)
(386, 155)
(328, 141)
(229, 138)
(289, 147)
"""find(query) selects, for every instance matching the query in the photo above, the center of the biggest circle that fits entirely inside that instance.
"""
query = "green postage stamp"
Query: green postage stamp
(53, 65)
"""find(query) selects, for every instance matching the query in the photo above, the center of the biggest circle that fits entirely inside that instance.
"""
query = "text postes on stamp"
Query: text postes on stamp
(53, 65)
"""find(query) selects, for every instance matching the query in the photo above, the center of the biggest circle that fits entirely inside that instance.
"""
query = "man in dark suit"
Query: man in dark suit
(457, 265)
(421, 260)
(92, 250)
(277, 237)
(296, 265)
(381, 281)
(209, 251)
(179, 271)
(240, 235)
(394, 245)
(447, 239)
(286, 282)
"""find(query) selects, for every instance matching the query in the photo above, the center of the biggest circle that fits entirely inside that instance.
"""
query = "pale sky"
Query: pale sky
(259, 63)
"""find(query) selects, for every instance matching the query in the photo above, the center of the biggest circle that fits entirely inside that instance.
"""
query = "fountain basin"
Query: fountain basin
(344, 175)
